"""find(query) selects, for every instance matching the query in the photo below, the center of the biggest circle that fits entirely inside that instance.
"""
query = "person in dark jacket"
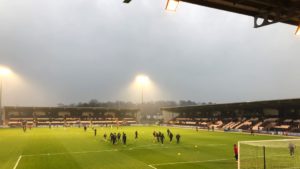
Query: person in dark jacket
(178, 138)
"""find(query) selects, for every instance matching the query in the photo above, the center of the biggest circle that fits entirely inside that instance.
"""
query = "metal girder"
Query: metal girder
(265, 12)
(269, 11)
(267, 20)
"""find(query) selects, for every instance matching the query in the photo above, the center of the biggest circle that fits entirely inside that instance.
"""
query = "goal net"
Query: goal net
(269, 154)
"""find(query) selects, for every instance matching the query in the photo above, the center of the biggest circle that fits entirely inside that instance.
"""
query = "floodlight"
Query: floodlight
(172, 5)
(298, 31)
(4, 71)
(142, 79)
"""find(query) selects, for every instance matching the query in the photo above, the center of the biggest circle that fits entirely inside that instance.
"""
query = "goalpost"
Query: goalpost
(269, 154)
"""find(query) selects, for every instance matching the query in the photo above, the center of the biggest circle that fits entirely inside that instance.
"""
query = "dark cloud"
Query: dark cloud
(77, 50)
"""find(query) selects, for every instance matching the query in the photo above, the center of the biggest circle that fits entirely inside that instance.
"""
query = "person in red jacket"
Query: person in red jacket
(236, 152)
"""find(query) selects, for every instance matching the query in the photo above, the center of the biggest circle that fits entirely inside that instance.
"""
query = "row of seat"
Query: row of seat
(255, 124)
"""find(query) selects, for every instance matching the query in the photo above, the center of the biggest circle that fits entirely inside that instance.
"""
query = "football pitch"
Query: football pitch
(72, 148)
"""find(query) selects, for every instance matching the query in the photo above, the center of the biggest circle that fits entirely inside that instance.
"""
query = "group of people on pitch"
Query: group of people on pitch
(113, 137)
(116, 137)
(160, 137)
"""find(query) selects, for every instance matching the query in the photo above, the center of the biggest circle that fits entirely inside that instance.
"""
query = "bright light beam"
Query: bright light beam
(172, 5)
(4, 71)
(298, 31)
(142, 80)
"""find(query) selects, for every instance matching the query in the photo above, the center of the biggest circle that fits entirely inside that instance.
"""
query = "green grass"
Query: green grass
(276, 154)
(72, 148)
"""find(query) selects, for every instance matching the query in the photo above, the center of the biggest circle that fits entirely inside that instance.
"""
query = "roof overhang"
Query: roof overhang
(271, 11)
(288, 103)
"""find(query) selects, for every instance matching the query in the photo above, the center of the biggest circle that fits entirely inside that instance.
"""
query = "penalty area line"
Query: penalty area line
(99, 151)
(18, 161)
(151, 166)
(186, 162)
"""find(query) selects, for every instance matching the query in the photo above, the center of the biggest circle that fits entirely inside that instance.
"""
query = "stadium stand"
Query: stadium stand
(68, 116)
(259, 116)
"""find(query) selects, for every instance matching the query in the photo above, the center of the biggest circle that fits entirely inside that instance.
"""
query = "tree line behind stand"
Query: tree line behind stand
(151, 110)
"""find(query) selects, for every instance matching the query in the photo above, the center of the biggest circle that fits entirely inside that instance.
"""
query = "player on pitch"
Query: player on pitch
(236, 152)
(292, 148)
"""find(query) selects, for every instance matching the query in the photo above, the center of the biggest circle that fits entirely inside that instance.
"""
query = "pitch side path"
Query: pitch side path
(72, 148)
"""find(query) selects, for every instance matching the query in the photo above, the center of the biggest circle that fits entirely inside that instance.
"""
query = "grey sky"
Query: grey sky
(68, 51)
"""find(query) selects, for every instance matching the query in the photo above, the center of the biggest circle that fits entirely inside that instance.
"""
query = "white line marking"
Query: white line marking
(149, 146)
(17, 163)
(151, 166)
(277, 140)
(79, 152)
(99, 151)
(186, 162)
(112, 150)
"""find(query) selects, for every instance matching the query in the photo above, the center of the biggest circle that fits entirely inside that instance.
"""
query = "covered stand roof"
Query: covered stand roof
(288, 103)
(272, 11)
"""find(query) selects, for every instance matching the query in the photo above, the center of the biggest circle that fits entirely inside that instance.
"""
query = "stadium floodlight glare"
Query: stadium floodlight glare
(172, 5)
(142, 81)
(4, 71)
(298, 31)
